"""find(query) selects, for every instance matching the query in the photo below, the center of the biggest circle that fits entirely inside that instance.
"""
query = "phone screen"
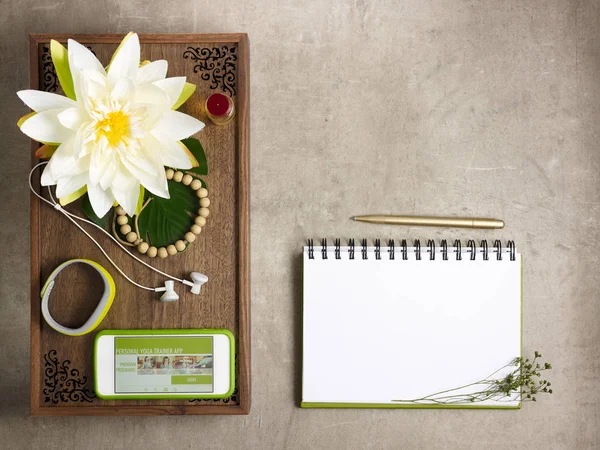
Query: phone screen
(162, 364)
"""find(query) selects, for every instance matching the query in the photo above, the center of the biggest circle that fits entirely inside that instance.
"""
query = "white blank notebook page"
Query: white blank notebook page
(378, 330)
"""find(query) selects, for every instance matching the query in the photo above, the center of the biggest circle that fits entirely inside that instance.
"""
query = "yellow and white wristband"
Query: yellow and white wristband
(99, 313)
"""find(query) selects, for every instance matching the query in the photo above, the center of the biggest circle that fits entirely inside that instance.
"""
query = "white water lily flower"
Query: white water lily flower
(118, 134)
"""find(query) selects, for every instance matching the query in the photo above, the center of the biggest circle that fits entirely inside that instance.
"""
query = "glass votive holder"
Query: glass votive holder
(219, 108)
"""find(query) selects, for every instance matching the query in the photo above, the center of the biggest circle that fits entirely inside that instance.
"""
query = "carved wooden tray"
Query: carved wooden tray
(62, 366)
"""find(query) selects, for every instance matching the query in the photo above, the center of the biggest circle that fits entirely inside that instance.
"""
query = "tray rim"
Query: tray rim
(243, 238)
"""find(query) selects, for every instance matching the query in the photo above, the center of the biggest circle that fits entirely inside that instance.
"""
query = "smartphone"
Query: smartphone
(147, 364)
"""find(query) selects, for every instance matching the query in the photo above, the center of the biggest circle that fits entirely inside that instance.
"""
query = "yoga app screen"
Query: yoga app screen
(164, 364)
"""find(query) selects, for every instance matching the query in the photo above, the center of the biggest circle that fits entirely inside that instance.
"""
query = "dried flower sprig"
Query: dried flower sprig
(523, 382)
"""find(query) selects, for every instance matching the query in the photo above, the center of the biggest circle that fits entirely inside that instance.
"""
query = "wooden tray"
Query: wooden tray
(62, 366)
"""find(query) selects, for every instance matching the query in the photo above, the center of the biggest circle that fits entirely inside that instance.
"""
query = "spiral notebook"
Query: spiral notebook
(399, 326)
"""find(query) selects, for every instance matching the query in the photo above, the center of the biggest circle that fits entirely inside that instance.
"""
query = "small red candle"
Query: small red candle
(219, 108)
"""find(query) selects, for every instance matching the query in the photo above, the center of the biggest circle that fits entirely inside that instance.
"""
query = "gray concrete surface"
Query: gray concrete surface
(485, 108)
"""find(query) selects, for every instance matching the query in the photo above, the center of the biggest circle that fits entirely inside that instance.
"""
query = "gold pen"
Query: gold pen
(454, 222)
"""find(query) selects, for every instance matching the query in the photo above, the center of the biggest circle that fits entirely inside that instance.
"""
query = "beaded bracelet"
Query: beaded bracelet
(132, 237)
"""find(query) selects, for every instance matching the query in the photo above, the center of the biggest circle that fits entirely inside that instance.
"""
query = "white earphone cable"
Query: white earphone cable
(72, 216)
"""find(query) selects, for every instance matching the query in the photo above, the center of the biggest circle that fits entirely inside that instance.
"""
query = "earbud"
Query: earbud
(170, 295)
(198, 279)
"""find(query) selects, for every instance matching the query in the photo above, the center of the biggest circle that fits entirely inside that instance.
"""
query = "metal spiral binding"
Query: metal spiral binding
(458, 249)
(511, 247)
(484, 249)
(431, 249)
(471, 249)
(498, 250)
(338, 249)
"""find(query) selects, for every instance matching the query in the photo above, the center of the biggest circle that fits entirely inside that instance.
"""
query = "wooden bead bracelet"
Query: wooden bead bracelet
(132, 237)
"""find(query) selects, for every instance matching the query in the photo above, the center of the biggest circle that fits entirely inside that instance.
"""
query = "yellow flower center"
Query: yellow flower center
(114, 126)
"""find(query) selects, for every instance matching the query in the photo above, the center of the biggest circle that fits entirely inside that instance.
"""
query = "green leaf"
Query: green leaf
(60, 59)
(165, 221)
(195, 147)
(89, 211)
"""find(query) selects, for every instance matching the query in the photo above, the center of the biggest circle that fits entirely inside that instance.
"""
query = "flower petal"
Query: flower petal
(161, 192)
(142, 159)
(100, 200)
(127, 36)
(156, 70)
(63, 161)
(128, 199)
(47, 179)
(148, 93)
(24, 118)
(193, 161)
(72, 197)
(173, 87)
(45, 151)
(101, 158)
(157, 184)
(82, 165)
(126, 189)
(126, 60)
(108, 175)
(170, 152)
(60, 59)
(72, 118)
(45, 127)
(94, 90)
(81, 58)
(123, 180)
(122, 90)
(177, 125)
(188, 90)
(43, 101)
(140, 202)
(67, 185)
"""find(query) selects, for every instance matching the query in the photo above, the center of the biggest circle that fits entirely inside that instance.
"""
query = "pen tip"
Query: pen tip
(353, 218)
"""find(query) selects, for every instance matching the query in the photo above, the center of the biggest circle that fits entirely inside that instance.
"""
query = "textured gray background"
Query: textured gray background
(487, 108)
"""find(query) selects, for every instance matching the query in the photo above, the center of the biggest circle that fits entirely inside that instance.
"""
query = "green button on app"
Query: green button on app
(191, 379)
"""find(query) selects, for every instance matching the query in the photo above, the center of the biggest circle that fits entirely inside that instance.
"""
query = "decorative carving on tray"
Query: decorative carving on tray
(233, 399)
(62, 383)
(48, 72)
(215, 64)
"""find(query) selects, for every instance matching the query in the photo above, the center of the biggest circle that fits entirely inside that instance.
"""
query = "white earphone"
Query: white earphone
(197, 279)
